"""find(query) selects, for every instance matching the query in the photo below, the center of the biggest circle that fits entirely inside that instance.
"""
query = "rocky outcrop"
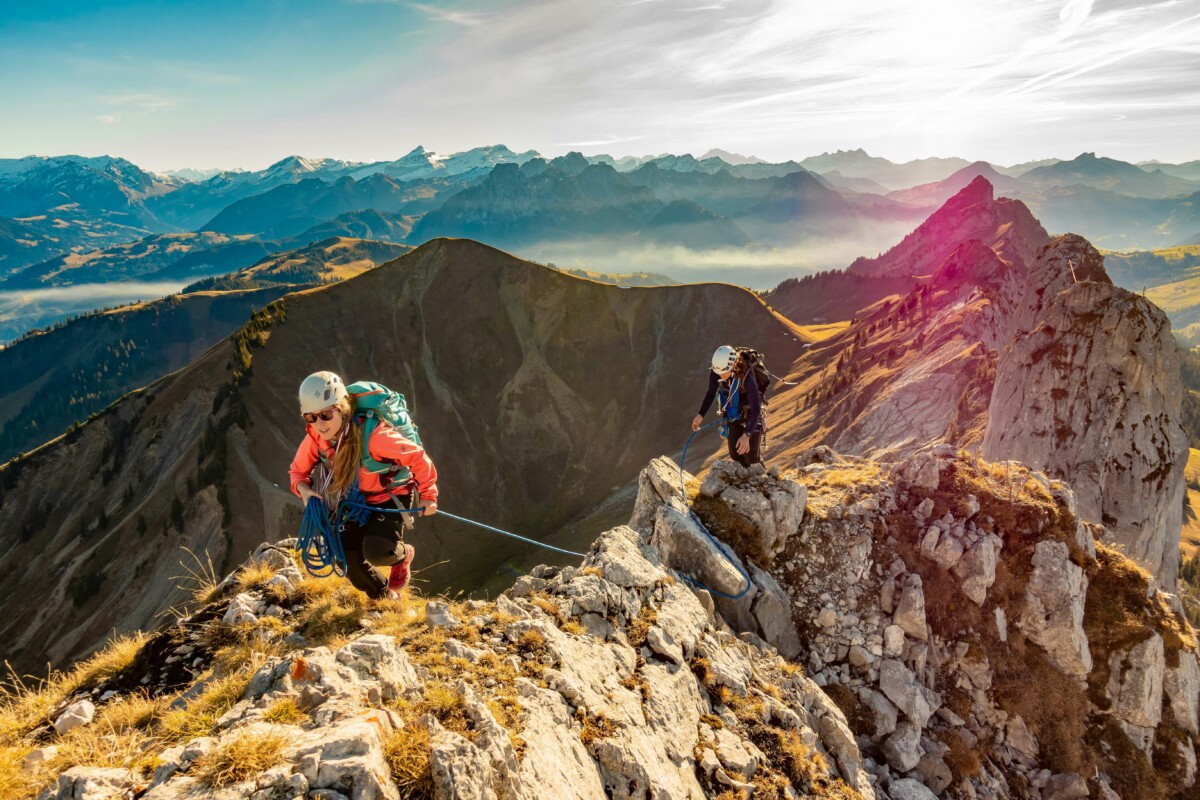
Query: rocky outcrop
(944, 652)
(1088, 390)
(627, 685)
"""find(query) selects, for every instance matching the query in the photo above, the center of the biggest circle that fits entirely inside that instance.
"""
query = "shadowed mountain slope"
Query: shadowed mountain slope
(537, 394)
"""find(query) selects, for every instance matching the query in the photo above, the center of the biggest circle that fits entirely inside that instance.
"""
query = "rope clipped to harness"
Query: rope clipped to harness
(723, 548)
(359, 506)
(319, 542)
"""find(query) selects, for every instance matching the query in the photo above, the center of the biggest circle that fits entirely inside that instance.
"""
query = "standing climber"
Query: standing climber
(732, 381)
(331, 460)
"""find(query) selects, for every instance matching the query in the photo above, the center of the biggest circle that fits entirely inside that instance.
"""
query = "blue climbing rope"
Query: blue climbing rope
(360, 507)
(721, 546)
(319, 542)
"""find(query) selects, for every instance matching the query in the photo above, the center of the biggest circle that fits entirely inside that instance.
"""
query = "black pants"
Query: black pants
(736, 429)
(377, 542)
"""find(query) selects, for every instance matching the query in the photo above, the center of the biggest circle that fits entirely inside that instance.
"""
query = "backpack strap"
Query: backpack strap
(397, 473)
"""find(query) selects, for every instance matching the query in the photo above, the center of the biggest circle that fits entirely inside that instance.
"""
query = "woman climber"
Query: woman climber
(331, 461)
(733, 380)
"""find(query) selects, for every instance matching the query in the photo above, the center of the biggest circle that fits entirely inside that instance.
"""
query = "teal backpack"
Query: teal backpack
(374, 402)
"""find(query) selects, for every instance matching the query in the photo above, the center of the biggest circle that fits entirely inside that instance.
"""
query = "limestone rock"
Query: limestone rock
(1138, 701)
(977, 570)
(1053, 614)
(81, 712)
(90, 783)
(909, 789)
(658, 483)
(684, 547)
(1088, 387)
(439, 615)
(460, 771)
(1182, 688)
(902, 687)
(1067, 786)
(910, 610)
(903, 748)
(773, 611)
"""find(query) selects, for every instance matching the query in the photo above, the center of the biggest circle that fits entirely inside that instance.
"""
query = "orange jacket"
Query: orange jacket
(386, 445)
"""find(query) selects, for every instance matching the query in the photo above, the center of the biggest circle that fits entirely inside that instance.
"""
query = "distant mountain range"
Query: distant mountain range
(72, 220)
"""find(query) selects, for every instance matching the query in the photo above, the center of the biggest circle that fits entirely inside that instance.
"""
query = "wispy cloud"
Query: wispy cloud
(605, 141)
(465, 18)
(149, 103)
(108, 119)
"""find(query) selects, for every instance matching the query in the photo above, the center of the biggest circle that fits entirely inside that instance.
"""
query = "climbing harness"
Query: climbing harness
(727, 408)
(724, 549)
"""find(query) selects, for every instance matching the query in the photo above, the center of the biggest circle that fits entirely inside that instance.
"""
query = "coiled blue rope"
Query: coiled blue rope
(319, 543)
(721, 546)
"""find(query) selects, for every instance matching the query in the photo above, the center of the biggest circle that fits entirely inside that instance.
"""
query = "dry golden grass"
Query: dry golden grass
(565, 622)
(407, 754)
(732, 528)
(24, 706)
(253, 575)
(594, 727)
(200, 579)
(819, 333)
(640, 626)
(16, 783)
(242, 756)
(285, 711)
(201, 713)
(332, 614)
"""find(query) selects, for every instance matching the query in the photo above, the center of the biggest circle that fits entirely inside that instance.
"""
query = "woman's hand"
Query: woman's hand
(696, 422)
(430, 508)
(306, 492)
(743, 445)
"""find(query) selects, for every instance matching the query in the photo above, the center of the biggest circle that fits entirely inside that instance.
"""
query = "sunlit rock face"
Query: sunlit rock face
(1088, 389)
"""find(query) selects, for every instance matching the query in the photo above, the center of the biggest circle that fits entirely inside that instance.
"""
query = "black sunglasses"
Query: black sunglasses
(326, 414)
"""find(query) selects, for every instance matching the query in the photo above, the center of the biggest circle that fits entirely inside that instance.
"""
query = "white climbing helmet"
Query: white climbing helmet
(320, 390)
(724, 359)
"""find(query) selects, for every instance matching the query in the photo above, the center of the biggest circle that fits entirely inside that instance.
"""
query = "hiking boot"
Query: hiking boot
(400, 573)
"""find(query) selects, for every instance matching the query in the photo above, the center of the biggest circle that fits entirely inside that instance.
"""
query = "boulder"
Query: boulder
(977, 570)
(772, 609)
(81, 712)
(460, 770)
(1182, 687)
(1138, 699)
(685, 547)
(1052, 617)
(903, 748)
(910, 610)
(912, 697)
(909, 789)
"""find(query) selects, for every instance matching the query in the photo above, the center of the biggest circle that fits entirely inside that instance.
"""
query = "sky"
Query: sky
(170, 85)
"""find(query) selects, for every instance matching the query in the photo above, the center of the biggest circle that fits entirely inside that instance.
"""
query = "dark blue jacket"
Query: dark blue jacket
(749, 400)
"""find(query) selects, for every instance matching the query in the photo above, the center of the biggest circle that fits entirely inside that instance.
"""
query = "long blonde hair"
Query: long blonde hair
(349, 450)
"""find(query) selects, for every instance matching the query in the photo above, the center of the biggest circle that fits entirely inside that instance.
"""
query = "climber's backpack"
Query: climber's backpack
(762, 376)
(374, 402)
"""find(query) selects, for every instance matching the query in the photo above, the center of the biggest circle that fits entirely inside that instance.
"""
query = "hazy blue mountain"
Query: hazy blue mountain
(1110, 175)
(862, 185)
(290, 209)
(686, 224)
(117, 263)
(720, 192)
(511, 207)
(1189, 170)
(1115, 221)
(932, 195)
(366, 224)
(858, 164)
(1017, 170)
